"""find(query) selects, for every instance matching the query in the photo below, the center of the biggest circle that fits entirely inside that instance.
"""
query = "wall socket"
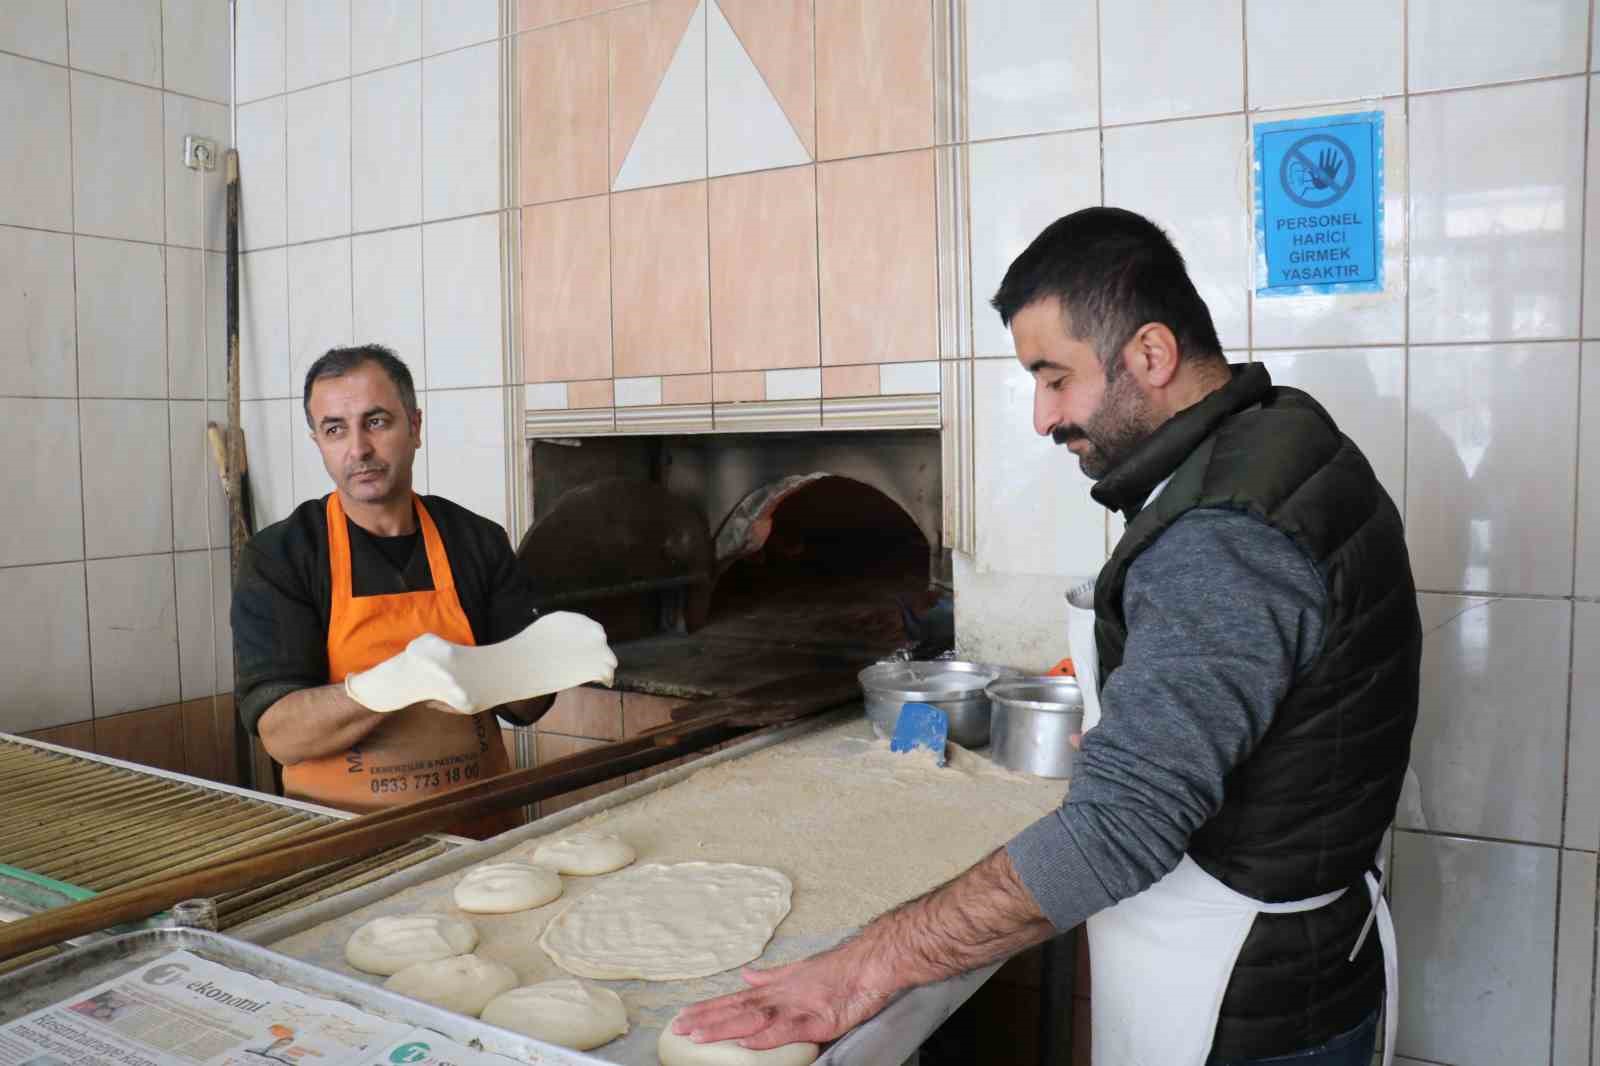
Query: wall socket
(199, 153)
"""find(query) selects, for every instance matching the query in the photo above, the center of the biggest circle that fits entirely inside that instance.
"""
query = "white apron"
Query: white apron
(1160, 961)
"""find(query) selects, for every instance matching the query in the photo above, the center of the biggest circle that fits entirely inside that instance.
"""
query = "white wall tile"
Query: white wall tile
(41, 478)
(122, 335)
(1348, 318)
(671, 142)
(908, 379)
(319, 304)
(199, 505)
(307, 470)
(1575, 937)
(319, 162)
(804, 383)
(1586, 581)
(116, 142)
(1169, 58)
(318, 47)
(1018, 188)
(466, 433)
(386, 136)
(205, 632)
(1017, 620)
(1032, 66)
(264, 325)
(1359, 54)
(196, 206)
(133, 633)
(1034, 513)
(44, 651)
(267, 425)
(1591, 227)
(195, 47)
(36, 168)
(1364, 389)
(263, 174)
(1583, 745)
(448, 24)
(646, 392)
(127, 479)
(461, 311)
(388, 294)
(549, 396)
(1489, 749)
(37, 317)
(35, 28)
(384, 32)
(121, 38)
(1471, 42)
(260, 37)
(1489, 496)
(197, 351)
(461, 133)
(1496, 234)
(1476, 926)
(1203, 214)
(746, 128)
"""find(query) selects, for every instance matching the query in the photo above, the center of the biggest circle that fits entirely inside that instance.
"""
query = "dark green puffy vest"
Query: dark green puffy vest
(1305, 812)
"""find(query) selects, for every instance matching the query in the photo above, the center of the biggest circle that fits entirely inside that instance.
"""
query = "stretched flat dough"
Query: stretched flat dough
(504, 887)
(388, 945)
(564, 1011)
(666, 923)
(585, 854)
(675, 1050)
(462, 983)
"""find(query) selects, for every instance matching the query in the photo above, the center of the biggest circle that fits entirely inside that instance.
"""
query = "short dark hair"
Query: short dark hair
(1113, 271)
(337, 362)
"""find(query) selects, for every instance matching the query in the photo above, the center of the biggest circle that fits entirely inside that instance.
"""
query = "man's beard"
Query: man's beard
(1122, 422)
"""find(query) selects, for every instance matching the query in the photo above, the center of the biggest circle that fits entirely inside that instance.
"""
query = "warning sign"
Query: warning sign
(1319, 205)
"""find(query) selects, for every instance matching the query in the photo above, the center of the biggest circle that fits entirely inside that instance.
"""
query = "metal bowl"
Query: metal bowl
(956, 688)
(1033, 719)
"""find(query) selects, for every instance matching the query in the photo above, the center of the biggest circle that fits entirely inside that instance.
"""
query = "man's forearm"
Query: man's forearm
(313, 722)
(982, 916)
(527, 712)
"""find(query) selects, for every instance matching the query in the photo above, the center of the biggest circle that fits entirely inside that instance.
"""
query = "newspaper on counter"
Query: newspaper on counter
(182, 1008)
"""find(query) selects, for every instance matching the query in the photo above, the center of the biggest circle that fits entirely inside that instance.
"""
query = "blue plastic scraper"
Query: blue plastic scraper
(920, 725)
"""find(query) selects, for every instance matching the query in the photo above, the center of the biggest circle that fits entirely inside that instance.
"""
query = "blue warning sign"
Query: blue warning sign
(1319, 205)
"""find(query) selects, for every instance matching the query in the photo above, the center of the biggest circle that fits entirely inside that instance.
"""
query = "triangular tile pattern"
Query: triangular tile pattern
(644, 40)
(671, 144)
(748, 129)
(712, 83)
(778, 35)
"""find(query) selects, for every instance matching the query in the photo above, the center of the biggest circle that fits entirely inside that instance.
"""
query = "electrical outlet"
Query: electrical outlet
(199, 153)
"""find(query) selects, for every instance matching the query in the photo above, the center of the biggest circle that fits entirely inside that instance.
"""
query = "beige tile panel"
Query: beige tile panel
(595, 713)
(531, 14)
(686, 388)
(151, 737)
(208, 736)
(742, 387)
(643, 40)
(551, 747)
(778, 36)
(850, 380)
(584, 394)
(874, 76)
(763, 225)
(79, 735)
(659, 316)
(563, 111)
(641, 711)
(879, 259)
(566, 290)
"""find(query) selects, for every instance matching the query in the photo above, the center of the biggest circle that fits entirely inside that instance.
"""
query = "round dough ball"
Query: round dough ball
(462, 983)
(503, 887)
(564, 1011)
(585, 854)
(388, 945)
(675, 1050)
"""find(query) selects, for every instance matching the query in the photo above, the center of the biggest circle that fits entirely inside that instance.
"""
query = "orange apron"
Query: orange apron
(415, 752)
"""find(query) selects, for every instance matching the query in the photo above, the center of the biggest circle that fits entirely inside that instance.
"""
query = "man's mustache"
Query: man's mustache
(1067, 434)
(368, 468)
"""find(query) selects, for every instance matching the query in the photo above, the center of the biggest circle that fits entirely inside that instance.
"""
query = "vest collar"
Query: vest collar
(1128, 486)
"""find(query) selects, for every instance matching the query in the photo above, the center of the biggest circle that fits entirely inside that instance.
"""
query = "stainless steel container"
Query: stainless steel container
(1032, 720)
(956, 688)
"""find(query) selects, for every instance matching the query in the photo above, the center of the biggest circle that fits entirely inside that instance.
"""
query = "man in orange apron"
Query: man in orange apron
(346, 582)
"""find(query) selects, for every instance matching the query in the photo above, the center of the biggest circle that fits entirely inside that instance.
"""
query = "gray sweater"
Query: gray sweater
(1223, 613)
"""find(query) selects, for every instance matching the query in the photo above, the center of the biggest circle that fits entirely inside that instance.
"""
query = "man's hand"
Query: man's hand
(817, 1000)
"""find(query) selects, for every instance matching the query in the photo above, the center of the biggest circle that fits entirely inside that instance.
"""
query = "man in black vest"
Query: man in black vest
(1258, 644)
